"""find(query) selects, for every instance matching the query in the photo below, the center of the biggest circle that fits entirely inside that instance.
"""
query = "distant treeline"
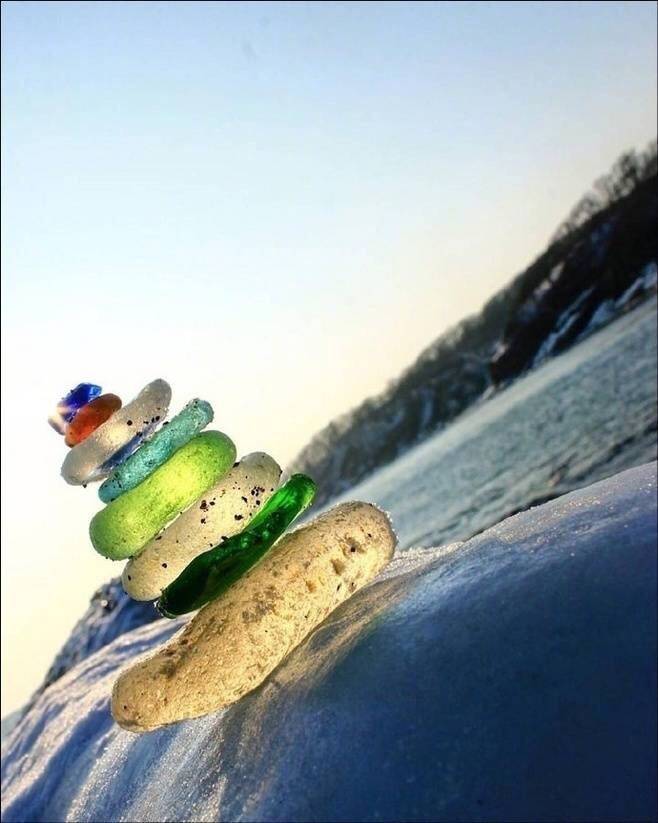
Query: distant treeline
(600, 251)
(629, 170)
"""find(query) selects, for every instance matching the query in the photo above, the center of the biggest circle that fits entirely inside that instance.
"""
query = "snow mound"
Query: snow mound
(111, 613)
(511, 677)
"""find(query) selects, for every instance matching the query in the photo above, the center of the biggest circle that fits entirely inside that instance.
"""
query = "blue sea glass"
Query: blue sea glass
(171, 437)
(125, 451)
(78, 397)
(69, 405)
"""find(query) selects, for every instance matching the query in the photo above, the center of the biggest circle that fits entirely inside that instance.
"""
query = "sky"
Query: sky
(274, 206)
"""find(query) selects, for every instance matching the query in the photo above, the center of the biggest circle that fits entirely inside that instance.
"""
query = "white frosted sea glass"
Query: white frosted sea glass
(224, 510)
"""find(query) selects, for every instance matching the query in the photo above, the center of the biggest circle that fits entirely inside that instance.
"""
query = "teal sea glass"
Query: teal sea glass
(213, 572)
(156, 451)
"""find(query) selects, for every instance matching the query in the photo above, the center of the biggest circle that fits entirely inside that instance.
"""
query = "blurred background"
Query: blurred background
(279, 207)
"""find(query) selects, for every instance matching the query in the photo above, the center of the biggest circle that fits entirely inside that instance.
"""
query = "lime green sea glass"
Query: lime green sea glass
(212, 572)
(126, 525)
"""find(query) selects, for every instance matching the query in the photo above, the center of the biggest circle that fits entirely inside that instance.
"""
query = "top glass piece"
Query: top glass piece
(68, 406)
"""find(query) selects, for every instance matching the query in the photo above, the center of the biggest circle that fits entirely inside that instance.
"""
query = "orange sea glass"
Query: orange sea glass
(90, 417)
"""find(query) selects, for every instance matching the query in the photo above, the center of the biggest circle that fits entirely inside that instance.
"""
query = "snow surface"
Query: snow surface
(9, 723)
(645, 284)
(510, 677)
(110, 613)
(564, 322)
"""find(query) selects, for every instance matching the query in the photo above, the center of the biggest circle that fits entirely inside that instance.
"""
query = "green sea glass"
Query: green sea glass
(156, 451)
(127, 524)
(212, 572)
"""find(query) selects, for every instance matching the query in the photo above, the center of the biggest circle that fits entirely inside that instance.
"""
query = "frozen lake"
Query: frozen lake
(581, 417)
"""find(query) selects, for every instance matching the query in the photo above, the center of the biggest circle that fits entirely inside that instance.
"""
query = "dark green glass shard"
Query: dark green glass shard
(212, 572)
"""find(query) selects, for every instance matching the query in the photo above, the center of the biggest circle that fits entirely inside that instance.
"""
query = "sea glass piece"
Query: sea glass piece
(125, 451)
(234, 642)
(89, 460)
(90, 417)
(223, 510)
(70, 403)
(213, 572)
(127, 524)
(156, 451)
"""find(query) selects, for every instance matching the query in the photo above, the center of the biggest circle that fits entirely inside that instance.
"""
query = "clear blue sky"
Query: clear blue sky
(273, 205)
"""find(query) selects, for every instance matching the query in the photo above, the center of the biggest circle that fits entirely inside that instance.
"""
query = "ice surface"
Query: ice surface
(111, 613)
(9, 723)
(645, 283)
(511, 677)
(564, 322)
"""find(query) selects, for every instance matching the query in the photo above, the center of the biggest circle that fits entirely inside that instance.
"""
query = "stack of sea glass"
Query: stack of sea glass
(192, 519)
(198, 530)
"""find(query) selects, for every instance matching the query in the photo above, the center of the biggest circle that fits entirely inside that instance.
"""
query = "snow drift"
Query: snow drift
(511, 677)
